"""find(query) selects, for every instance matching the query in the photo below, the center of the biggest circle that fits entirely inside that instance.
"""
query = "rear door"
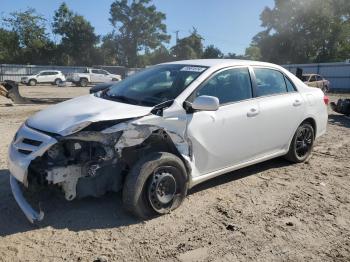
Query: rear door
(95, 76)
(105, 76)
(51, 76)
(281, 109)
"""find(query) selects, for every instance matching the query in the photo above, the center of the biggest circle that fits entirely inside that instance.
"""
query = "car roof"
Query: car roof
(49, 71)
(310, 74)
(221, 62)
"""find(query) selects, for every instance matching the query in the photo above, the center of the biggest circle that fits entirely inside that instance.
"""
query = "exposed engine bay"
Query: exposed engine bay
(73, 164)
(91, 163)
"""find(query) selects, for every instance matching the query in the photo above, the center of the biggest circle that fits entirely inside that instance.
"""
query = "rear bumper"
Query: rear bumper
(32, 215)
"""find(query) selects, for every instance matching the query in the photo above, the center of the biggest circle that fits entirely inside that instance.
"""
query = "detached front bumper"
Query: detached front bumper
(32, 215)
(27, 145)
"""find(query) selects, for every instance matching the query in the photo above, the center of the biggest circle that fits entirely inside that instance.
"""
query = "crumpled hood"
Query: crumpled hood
(57, 118)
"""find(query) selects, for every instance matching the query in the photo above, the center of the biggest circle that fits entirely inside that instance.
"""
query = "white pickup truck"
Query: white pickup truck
(91, 75)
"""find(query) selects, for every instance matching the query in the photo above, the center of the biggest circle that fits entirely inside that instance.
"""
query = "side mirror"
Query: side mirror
(205, 103)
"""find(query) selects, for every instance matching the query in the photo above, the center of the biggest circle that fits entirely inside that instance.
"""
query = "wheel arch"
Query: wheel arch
(158, 141)
(308, 119)
(312, 122)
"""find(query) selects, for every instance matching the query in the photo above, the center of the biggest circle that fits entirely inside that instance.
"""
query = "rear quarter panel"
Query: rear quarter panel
(316, 108)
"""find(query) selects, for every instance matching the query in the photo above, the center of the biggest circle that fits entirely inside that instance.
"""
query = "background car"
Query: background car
(48, 76)
(92, 75)
(315, 80)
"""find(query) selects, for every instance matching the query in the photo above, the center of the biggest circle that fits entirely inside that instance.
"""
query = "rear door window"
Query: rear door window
(269, 82)
(312, 79)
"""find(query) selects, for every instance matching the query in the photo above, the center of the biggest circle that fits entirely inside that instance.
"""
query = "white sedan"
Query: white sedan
(166, 129)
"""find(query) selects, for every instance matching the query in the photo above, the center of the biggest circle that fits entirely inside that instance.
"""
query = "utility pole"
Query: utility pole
(177, 35)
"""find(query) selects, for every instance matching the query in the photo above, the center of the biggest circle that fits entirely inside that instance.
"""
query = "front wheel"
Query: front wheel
(32, 82)
(302, 144)
(156, 185)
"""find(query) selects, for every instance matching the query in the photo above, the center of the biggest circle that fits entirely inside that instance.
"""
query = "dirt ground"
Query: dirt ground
(272, 211)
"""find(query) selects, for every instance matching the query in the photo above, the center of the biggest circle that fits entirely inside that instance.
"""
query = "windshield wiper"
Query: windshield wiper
(120, 98)
(158, 109)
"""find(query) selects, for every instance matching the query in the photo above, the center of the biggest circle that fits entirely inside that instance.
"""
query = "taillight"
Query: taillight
(326, 100)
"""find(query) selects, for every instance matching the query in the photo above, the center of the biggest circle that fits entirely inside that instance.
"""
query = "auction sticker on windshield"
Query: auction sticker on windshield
(193, 69)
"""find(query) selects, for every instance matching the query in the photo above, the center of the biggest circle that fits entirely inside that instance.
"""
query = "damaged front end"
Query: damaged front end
(89, 162)
(82, 164)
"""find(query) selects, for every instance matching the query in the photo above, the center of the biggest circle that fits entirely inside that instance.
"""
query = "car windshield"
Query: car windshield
(154, 85)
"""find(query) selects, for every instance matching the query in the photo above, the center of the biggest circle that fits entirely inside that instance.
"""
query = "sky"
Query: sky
(227, 24)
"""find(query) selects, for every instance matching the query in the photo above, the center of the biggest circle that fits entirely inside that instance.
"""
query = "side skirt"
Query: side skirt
(200, 179)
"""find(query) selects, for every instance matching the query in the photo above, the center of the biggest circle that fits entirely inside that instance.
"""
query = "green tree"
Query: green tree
(9, 47)
(109, 49)
(253, 53)
(28, 30)
(234, 56)
(302, 31)
(78, 38)
(160, 55)
(212, 52)
(190, 47)
(140, 27)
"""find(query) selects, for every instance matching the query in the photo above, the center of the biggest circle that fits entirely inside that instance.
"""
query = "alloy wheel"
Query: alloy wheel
(304, 142)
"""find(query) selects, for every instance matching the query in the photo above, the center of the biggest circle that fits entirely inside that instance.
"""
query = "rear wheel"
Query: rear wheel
(58, 81)
(83, 82)
(325, 89)
(302, 144)
(32, 82)
(156, 185)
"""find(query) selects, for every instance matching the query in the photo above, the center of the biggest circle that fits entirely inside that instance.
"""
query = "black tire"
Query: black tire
(115, 80)
(325, 89)
(302, 143)
(57, 81)
(32, 82)
(83, 82)
(144, 190)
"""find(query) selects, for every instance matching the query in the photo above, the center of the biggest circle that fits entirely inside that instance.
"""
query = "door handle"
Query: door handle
(253, 112)
(297, 103)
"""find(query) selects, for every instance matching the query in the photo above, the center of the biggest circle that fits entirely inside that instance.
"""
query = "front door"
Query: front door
(227, 136)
